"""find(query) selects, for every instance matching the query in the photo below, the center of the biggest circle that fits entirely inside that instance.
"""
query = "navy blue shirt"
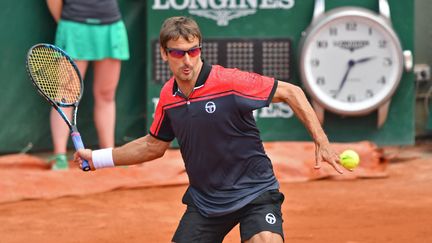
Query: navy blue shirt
(218, 137)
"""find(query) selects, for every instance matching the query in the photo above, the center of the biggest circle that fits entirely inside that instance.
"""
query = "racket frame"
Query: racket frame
(76, 137)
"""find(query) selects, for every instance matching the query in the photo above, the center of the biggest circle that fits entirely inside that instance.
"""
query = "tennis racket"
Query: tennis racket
(57, 78)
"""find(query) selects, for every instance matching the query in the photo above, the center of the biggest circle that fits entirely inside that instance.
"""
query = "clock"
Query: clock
(351, 61)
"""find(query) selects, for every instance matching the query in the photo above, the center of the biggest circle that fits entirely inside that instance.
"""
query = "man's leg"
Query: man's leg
(265, 236)
(261, 220)
(194, 227)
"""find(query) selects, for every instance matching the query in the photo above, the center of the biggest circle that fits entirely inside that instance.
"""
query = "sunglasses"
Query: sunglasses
(193, 52)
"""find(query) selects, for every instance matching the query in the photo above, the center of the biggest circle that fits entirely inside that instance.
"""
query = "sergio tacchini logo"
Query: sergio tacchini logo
(210, 107)
(270, 218)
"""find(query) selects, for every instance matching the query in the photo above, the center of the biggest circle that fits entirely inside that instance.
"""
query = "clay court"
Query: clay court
(388, 199)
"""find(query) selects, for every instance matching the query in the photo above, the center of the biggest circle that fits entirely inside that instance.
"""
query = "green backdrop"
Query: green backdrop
(24, 114)
(289, 23)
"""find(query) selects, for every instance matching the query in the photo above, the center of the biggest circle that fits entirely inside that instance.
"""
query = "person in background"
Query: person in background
(90, 31)
(209, 109)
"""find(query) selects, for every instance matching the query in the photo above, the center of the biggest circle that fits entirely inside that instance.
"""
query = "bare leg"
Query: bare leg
(106, 78)
(265, 236)
(59, 129)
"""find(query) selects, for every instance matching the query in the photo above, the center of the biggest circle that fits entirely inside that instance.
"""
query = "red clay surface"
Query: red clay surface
(395, 208)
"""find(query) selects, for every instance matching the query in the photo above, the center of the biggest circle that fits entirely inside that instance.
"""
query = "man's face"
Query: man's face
(184, 65)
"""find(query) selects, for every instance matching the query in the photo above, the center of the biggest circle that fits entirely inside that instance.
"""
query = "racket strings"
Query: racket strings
(54, 75)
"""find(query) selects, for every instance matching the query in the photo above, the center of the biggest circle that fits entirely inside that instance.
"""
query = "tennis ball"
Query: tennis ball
(349, 159)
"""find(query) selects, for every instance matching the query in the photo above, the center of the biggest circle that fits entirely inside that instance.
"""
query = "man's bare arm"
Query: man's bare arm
(140, 150)
(296, 99)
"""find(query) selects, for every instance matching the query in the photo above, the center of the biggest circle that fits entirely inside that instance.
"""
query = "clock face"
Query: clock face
(351, 62)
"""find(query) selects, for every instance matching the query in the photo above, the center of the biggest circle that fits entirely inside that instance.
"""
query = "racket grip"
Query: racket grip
(77, 141)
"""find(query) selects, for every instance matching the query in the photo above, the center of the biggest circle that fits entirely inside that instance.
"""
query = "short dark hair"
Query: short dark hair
(176, 27)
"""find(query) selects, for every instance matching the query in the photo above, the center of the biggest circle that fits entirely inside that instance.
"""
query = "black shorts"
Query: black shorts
(262, 214)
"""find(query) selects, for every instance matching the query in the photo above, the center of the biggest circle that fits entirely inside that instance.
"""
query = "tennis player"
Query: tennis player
(208, 108)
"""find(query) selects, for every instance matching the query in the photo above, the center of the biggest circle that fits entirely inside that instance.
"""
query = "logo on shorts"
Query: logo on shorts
(270, 218)
(210, 107)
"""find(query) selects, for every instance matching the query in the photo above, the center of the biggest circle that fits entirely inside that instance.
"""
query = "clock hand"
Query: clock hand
(351, 63)
(361, 60)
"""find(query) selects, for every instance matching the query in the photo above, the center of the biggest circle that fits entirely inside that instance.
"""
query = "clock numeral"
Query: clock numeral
(382, 43)
(320, 81)
(322, 44)
(369, 93)
(370, 31)
(315, 62)
(351, 26)
(351, 98)
(387, 62)
(333, 31)
(382, 80)
(333, 93)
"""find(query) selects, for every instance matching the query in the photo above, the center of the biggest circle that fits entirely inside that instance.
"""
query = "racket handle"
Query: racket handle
(77, 141)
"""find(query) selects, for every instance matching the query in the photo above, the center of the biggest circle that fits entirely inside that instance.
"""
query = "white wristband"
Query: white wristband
(102, 158)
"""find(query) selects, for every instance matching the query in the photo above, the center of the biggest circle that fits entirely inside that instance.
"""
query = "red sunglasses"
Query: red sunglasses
(193, 52)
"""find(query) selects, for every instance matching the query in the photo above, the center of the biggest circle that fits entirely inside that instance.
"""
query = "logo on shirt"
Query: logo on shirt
(270, 218)
(210, 107)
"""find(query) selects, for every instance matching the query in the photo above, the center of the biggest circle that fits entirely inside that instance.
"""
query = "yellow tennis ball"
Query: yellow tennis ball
(349, 159)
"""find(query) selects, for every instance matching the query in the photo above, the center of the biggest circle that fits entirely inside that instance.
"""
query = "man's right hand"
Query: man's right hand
(84, 154)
